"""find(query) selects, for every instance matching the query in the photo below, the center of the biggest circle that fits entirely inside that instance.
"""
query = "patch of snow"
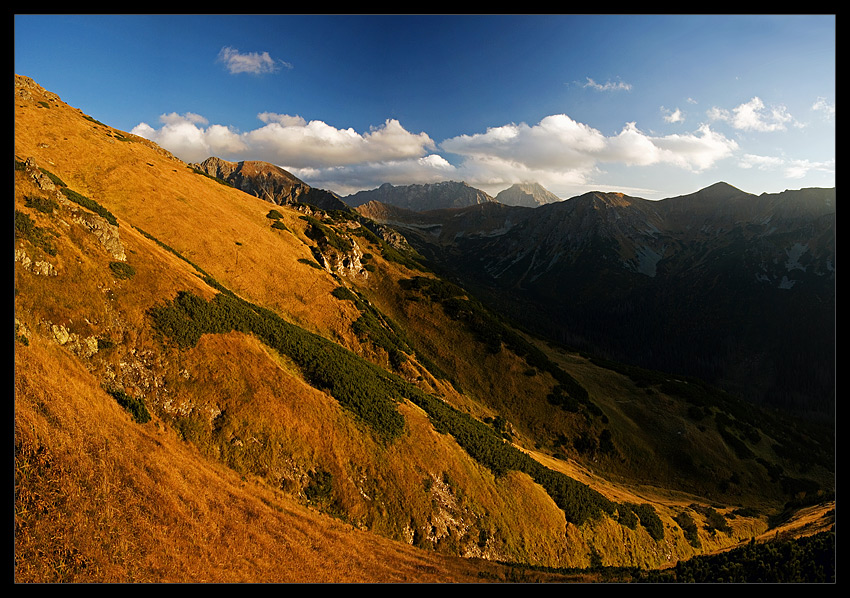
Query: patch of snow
(786, 283)
(647, 260)
(794, 253)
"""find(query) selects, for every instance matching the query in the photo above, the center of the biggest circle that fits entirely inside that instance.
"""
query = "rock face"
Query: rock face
(529, 195)
(269, 182)
(422, 198)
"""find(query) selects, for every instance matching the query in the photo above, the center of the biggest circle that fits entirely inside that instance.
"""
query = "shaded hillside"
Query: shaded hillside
(210, 387)
(430, 196)
(701, 284)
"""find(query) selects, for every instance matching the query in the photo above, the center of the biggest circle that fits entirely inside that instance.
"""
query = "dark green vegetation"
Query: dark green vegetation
(42, 204)
(39, 236)
(802, 560)
(135, 406)
(805, 560)
(649, 519)
(689, 527)
(377, 328)
(122, 270)
(209, 176)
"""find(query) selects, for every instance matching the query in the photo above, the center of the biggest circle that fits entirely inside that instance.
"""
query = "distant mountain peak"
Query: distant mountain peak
(269, 182)
(528, 194)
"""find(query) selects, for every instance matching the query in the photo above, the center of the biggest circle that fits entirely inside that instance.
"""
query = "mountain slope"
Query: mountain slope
(294, 362)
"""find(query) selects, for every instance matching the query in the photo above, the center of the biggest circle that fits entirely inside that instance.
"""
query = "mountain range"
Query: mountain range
(700, 284)
(219, 380)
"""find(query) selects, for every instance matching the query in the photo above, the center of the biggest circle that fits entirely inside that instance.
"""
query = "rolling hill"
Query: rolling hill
(211, 387)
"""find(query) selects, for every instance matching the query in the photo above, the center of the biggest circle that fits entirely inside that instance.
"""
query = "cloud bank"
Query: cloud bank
(558, 152)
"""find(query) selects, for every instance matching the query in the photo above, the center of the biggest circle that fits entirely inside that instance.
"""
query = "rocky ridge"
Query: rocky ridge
(269, 182)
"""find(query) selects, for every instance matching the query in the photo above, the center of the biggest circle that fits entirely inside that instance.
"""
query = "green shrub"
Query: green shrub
(274, 215)
(277, 224)
(122, 270)
(714, 521)
(311, 263)
(56, 180)
(649, 519)
(626, 516)
(40, 237)
(135, 406)
(42, 204)
(689, 527)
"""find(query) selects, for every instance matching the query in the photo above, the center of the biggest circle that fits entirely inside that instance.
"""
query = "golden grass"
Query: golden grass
(102, 499)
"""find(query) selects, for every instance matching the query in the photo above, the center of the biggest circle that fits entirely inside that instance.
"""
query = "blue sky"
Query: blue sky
(649, 105)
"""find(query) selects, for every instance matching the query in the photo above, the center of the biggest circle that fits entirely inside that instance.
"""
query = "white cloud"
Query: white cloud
(255, 63)
(674, 116)
(185, 137)
(302, 144)
(754, 116)
(608, 86)
(561, 145)
(289, 141)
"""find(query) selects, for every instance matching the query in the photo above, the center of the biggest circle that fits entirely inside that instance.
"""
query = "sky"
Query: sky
(653, 106)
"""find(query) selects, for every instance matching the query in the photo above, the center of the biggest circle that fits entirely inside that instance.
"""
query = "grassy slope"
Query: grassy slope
(275, 429)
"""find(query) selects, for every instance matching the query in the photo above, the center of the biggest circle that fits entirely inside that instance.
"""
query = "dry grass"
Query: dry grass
(102, 499)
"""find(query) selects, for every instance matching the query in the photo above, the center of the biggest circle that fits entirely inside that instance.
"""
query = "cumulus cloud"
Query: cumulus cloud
(303, 144)
(290, 141)
(753, 116)
(559, 144)
(608, 86)
(255, 63)
(349, 179)
(186, 137)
